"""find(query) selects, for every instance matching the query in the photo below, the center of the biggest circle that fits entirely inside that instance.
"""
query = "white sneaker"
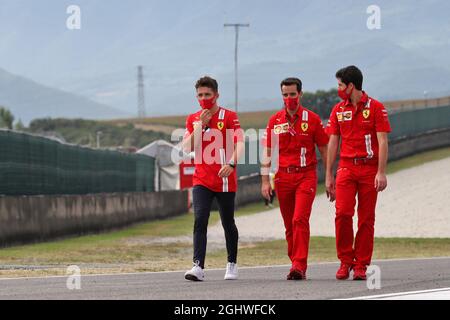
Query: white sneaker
(195, 274)
(232, 271)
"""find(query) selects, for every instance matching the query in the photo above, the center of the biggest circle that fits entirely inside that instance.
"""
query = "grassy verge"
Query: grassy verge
(128, 250)
(323, 249)
(143, 258)
(418, 160)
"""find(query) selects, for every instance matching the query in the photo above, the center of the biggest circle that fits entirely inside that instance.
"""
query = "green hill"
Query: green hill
(84, 132)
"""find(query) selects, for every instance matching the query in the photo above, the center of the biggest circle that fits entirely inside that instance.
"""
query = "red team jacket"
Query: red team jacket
(358, 127)
(218, 141)
(296, 148)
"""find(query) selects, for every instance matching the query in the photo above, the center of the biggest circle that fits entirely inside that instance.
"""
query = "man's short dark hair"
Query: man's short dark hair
(292, 81)
(207, 82)
(351, 74)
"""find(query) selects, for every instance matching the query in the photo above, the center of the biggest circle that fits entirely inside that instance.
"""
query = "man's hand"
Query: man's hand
(266, 190)
(226, 171)
(330, 185)
(380, 182)
(205, 117)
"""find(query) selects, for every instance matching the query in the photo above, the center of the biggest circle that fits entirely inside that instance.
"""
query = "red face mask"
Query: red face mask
(207, 103)
(344, 95)
(291, 103)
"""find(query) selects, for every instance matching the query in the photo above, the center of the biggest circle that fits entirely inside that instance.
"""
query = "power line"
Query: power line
(236, 79)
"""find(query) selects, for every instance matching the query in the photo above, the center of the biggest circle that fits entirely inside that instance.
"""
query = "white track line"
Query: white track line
(216, 269)
(424, 294)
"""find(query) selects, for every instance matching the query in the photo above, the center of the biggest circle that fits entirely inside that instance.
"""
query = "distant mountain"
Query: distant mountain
(391, 73)
(178, 41)
(28, 100)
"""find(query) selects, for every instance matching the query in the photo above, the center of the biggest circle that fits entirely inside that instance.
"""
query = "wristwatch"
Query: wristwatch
(232, 164)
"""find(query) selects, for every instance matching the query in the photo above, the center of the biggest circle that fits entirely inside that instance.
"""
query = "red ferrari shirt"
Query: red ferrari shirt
(358, 127)
(218, 141)
(297, 137)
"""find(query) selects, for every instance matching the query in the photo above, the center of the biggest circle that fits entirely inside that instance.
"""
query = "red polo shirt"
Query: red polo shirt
(218, 141)
(297, 146)
(358, 127)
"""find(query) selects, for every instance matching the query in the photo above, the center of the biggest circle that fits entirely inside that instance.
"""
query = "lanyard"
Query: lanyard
(292, 125)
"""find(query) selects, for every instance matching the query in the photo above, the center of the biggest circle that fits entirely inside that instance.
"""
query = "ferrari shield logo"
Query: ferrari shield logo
(366, 113)
(304, 126)
(220, 125)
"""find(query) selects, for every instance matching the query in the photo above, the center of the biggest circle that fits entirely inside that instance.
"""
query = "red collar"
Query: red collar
(298, 113)
(363, 101)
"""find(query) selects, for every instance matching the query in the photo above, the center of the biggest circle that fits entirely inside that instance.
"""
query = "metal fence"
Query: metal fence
(408, 123)
(32, 165)
(414, 122)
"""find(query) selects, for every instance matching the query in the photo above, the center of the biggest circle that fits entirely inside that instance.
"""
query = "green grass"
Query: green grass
(407, 163)
(141, 257)
(129, 250)
(418, 159)
(255, 119)
(110, 247)
(83, 132)
(323, 249)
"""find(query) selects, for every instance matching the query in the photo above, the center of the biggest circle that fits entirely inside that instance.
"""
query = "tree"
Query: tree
(321, 101)
(6, 118)
(19, 126)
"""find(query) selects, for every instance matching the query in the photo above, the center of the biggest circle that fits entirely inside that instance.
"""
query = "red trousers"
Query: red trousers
(351, 181)
(296, 193)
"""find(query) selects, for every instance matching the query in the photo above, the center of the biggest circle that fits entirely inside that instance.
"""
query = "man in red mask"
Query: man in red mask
(294, 132)
(361, 124)
(215, 135)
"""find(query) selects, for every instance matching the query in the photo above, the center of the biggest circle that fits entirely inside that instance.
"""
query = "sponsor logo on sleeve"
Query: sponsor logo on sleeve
(281, 128)
(347, 115)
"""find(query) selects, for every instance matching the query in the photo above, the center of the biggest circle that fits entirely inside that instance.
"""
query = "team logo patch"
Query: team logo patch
(347, 115)
(220, 125)
(304, 126)
(281, 128)
(366, 113)
(339, 116)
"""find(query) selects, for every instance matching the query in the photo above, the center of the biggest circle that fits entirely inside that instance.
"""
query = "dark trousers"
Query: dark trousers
(202, 200)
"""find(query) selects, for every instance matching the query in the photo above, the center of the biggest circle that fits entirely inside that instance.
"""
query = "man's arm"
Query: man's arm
(189, 142)
(238, 151)
(226, 170)
(193, 140)
(324, 154)
(380, 178)
(238, 148)
(266, 160)
(330, 185)
(321, 140)
(266, 189)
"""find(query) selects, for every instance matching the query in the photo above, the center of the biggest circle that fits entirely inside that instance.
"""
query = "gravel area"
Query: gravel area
(416, 204)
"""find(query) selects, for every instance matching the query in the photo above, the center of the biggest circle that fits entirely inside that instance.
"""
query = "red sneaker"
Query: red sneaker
(343, 272)
(296, 274)
(359, 273)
